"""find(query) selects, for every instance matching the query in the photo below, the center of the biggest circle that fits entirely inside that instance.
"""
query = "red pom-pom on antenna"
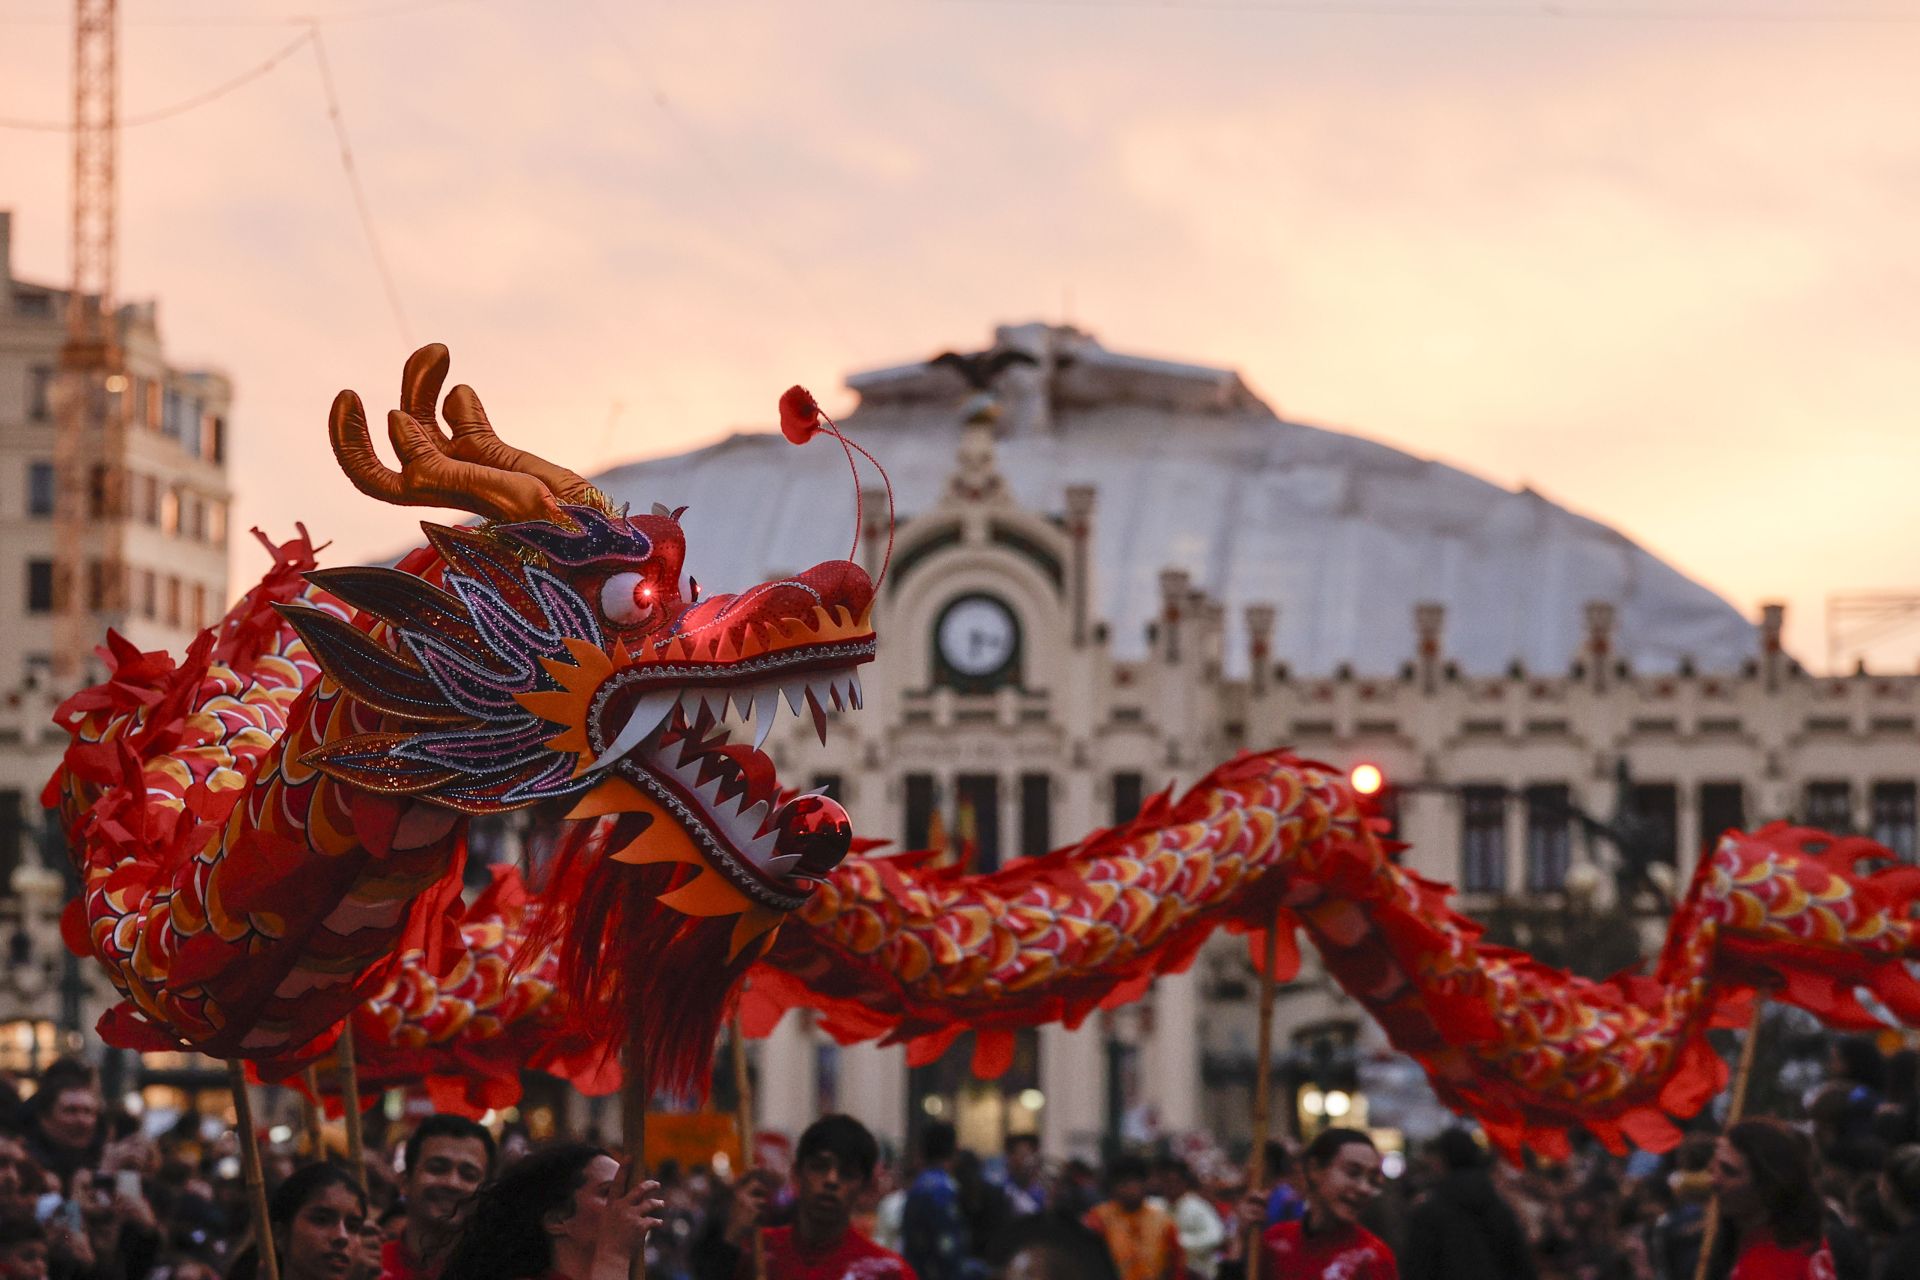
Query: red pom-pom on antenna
(799, 415)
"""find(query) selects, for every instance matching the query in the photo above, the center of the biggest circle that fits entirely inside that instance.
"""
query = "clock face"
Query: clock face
(977, 636)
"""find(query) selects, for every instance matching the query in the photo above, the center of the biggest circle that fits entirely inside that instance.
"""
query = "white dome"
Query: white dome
(1192, 471)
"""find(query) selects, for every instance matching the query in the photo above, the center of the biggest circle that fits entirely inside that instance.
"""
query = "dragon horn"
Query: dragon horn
(473, 470)
(473, 438)
(427, 476)
(474, 441)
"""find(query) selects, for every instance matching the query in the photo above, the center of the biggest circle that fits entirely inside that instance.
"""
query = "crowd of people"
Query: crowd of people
(86, 1195)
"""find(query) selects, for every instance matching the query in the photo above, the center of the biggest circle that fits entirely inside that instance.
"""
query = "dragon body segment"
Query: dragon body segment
(888, 949)
(265, 829)
(234, 896)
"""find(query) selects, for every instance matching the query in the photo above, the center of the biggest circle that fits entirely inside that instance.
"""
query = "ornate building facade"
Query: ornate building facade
(1114, 572)
(168, 495)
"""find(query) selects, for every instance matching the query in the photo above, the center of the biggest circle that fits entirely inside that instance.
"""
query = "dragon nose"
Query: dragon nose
(817, 829)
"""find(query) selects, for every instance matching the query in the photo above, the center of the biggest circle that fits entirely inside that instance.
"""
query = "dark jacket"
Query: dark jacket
(1901, 1260)
(1463, 1230)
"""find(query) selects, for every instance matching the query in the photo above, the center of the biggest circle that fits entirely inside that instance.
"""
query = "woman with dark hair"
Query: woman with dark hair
(1341, 1170)
(556, 1214)
(1763, 1180)
(1899, 1192)
(314, 1217)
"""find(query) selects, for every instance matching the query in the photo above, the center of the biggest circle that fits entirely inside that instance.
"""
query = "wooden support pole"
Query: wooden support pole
(311, 1118)
(1736, 1107)
(743, 1092)
(1262, 1088)
(350, 1105)
(251, 1172)
(633, 1125)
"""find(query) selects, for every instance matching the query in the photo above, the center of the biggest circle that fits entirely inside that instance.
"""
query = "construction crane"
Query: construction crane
(91, 393)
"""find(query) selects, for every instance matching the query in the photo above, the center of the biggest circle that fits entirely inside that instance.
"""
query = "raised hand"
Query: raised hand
(624, 1225)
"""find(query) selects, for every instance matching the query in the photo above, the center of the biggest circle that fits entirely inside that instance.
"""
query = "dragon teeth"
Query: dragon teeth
(819, 714)
(647, 713)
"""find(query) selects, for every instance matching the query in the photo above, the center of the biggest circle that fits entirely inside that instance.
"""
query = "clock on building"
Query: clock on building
(977, 639)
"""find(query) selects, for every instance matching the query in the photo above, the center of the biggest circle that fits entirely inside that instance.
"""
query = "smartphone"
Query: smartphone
(127, 1183)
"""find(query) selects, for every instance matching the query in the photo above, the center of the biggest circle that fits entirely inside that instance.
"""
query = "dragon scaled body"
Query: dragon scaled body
(889, 950)
(270, 836)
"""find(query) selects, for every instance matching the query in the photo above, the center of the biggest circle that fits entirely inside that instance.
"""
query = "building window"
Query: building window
(1483, 839)
(832, 786)
(13, 833)
(42, 489)
(919, 811)
(216, 439)
(1549, 836)
(217, 523)
(199, 605)
(40, 392)
(149, 500)
(173, 601)
(1036, 814)
(169, 512)
(1655, 807)
(39, 586)
(1894, 817)
(149, 593)
(1129, 793)
(1723, 808)
(976, 818)
(99, 491)
(1830, 806)
(99, 590)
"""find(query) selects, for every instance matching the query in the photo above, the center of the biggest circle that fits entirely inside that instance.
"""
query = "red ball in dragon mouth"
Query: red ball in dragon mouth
(817, 829)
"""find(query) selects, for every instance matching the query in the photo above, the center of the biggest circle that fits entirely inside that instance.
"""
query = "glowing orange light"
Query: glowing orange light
(1367, 779)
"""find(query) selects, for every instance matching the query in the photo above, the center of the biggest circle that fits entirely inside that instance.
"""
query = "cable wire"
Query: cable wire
(738, 200)
(353, 182)
(405, 8)
(1547, 10)
(184, 105)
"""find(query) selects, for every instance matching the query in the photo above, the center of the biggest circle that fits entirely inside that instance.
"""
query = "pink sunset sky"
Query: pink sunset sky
(1657, 261)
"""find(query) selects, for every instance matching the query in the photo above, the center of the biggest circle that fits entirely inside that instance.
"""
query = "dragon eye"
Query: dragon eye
(627, 599)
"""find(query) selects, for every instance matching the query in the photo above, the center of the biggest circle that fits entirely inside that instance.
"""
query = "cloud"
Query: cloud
(1657, 268)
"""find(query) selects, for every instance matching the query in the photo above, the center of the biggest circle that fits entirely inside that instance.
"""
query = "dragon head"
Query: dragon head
(550, 654)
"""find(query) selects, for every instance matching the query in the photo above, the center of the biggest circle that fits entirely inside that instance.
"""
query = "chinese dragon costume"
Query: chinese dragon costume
(270, 838)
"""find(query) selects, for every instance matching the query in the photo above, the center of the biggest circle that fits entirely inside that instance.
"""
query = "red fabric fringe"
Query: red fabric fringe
(627, 962)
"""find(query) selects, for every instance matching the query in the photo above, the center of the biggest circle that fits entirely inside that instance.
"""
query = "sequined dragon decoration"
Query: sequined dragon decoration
(263, 830)
(270, 833)
(890, 950)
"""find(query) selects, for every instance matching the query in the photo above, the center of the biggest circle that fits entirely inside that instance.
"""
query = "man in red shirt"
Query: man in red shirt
(448, 1157)
(1342, 1169)
(832, 1167)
